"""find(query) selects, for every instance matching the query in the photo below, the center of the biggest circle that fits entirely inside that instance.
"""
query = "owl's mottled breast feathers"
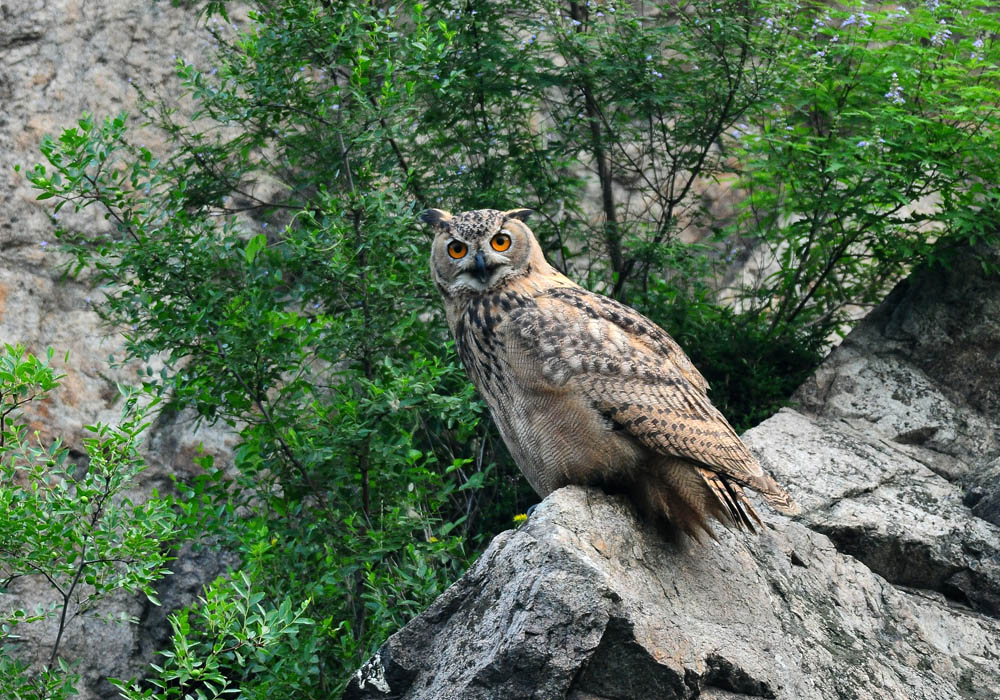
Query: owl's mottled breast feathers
(480, 346)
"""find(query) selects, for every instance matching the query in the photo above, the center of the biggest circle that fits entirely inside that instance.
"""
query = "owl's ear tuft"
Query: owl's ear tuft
(519, 214)
(437, 218)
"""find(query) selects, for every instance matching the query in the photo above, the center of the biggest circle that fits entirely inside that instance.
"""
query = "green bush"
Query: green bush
(70, 526)
(884, 110)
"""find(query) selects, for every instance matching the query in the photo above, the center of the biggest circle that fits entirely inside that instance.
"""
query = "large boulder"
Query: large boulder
(895, 453)
(886, 586)
(584, 602)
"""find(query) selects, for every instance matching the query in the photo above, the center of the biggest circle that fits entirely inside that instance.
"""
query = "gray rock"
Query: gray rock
(585, 602)
(896, 456)
(923, 368)
(982, 493)
(878, 504)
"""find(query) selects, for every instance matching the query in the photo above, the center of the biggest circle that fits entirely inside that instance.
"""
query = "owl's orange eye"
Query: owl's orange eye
(500, 242)
(457, 249)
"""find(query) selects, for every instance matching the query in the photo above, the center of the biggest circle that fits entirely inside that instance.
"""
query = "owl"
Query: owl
(585, 390)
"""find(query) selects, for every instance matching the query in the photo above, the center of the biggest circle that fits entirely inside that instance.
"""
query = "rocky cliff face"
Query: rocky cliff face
(58, 59)
(887, 585)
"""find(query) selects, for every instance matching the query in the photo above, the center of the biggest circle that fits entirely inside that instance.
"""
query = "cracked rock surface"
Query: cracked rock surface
(895, 454)
(585, 603)
(887, 585)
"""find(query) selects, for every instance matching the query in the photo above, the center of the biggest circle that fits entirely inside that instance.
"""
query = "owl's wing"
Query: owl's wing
(637, 377)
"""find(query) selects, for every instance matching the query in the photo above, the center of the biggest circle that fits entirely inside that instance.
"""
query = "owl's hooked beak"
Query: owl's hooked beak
(481, 271)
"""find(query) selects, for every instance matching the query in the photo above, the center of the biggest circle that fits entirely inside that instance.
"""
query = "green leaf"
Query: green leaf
(254, 246)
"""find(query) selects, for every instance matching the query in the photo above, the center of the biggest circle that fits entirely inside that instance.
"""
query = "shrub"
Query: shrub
(69, 525)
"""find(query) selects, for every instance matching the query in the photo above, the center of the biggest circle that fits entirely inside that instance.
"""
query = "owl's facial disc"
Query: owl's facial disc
(477, 252)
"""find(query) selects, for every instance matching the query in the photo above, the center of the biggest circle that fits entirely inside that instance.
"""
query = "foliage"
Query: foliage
(269, 254)
(233, 635)
(882, 154)
(70, 525)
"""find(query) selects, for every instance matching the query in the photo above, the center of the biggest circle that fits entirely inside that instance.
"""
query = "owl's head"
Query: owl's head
(478, 251)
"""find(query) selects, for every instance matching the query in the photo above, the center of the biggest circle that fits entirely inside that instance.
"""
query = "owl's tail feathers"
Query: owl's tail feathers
(681, 496)
(775, 496)
(731, 495)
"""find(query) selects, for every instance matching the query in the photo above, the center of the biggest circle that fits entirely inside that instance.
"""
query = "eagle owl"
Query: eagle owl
(583, 389)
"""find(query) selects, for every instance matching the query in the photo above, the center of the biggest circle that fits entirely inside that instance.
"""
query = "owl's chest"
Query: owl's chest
(554, 434)
(479, 338)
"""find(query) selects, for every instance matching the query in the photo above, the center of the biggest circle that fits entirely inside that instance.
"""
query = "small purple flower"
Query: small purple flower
(895, 94)
(863, 144)
(942, 34)
(43, 243)
(861, 19)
